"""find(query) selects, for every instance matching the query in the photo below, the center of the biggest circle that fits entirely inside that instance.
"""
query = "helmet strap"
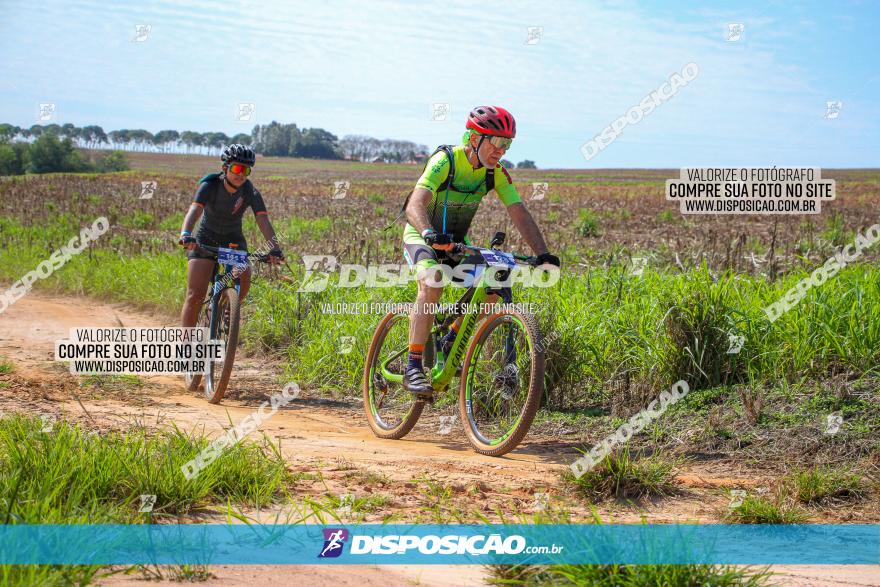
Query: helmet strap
(477, 151)
(226, 181)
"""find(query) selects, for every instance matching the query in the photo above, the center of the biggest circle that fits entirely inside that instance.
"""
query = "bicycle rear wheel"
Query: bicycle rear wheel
(502, 382)
(391, 410)
(217, 375)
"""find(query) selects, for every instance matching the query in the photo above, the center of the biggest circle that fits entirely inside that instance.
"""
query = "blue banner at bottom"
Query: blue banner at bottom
(440, 544)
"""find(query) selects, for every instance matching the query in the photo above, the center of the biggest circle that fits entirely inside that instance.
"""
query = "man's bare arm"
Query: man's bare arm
(527, 227)
(417, 209)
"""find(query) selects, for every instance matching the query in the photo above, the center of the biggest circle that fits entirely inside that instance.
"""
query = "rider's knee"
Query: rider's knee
(431, 281)
(193, 296)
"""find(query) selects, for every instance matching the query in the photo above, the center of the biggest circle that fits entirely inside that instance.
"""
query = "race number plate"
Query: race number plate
(231, 257)
(498, 258)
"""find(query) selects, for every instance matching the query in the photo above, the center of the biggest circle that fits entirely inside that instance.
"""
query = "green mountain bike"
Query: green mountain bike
(500, 361)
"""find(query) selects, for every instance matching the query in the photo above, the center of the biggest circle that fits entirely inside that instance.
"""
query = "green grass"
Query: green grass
(820, 484)
(629, 575)
(766, 510)
(138, 219)
(620, 475)
(358, 505)
(6, 367)
(588, 223)
(175, 573)
(172, 223)
(66, 476)
(658, 328)
(124, 381)
(835, 230)
(667, 216)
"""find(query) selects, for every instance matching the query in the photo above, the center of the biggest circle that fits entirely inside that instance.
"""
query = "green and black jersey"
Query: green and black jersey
(466, 191)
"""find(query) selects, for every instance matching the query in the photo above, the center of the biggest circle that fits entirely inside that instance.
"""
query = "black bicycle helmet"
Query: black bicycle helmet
(239, 154)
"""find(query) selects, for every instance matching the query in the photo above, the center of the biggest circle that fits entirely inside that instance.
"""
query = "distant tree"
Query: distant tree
(93, 136)
(36, 130)
(316, 143)
(69, 131)
(7, 132)
(190, 139)
(141, 138)
(507, 163)
(200, 142)
(53, 128)
(364, 148)
(117, 137)
(113, 161)
(275, 139)
(241, 139)
(87, 135)
(100, 137)
(47, 154)
(165, 139)
(215, 141)
(527, 164)
(13, 158)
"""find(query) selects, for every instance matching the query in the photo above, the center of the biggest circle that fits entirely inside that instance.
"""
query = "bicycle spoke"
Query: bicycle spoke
(390, 402)
(500, 382)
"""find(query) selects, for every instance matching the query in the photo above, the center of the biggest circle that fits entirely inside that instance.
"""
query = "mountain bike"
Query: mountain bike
(221, 314)
(500, 361)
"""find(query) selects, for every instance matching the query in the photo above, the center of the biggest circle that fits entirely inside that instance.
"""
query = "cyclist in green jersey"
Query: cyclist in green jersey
(437, 217)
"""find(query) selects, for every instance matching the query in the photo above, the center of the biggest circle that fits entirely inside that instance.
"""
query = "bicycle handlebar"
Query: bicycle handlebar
(461, 247)
(262, 257)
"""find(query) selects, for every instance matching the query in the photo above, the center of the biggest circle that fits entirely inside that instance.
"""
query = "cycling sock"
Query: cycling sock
(415, 356)
(449, 338)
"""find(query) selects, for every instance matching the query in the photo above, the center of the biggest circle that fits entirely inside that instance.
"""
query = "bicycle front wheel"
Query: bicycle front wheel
(193, 380)
(218, 373)
(502, 382)
(391, 410)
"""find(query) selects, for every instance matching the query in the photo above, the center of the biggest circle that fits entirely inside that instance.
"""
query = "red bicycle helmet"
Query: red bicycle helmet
(492, 120)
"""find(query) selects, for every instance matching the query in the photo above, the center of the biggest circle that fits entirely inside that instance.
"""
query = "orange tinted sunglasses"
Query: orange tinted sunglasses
(239, 168)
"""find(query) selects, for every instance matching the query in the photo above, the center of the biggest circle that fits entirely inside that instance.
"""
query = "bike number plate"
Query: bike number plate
(231, 256)
(498, 258)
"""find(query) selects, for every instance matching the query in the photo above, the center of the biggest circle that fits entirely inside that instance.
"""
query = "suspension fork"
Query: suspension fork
(506, 295)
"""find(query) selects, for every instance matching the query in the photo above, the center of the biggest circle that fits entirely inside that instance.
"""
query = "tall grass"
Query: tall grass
(630, 575)
(609, 326)
(63, 475)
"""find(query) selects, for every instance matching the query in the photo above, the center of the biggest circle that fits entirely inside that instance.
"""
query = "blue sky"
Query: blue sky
(376, 68)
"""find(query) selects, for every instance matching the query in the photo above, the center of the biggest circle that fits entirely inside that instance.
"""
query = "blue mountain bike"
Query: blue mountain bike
(221, 315)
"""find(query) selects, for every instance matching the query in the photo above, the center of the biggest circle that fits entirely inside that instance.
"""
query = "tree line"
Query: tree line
(273, 139)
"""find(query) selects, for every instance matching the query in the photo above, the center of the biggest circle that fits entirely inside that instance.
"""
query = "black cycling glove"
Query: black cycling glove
(547, 258)
(436, 238)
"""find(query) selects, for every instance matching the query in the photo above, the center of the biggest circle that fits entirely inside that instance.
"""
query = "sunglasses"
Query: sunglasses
(238, 168)
(499, 142)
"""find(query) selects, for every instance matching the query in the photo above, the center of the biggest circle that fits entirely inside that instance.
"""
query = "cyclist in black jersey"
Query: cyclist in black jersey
(223, 198)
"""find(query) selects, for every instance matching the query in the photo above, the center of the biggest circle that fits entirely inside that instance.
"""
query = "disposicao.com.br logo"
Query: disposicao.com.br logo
(431, 544)
(334, 540)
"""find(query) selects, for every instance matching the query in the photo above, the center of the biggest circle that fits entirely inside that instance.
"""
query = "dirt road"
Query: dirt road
(332, 437)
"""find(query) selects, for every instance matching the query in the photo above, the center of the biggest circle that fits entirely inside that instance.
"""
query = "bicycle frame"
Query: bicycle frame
(219, 282)
(442, 377)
